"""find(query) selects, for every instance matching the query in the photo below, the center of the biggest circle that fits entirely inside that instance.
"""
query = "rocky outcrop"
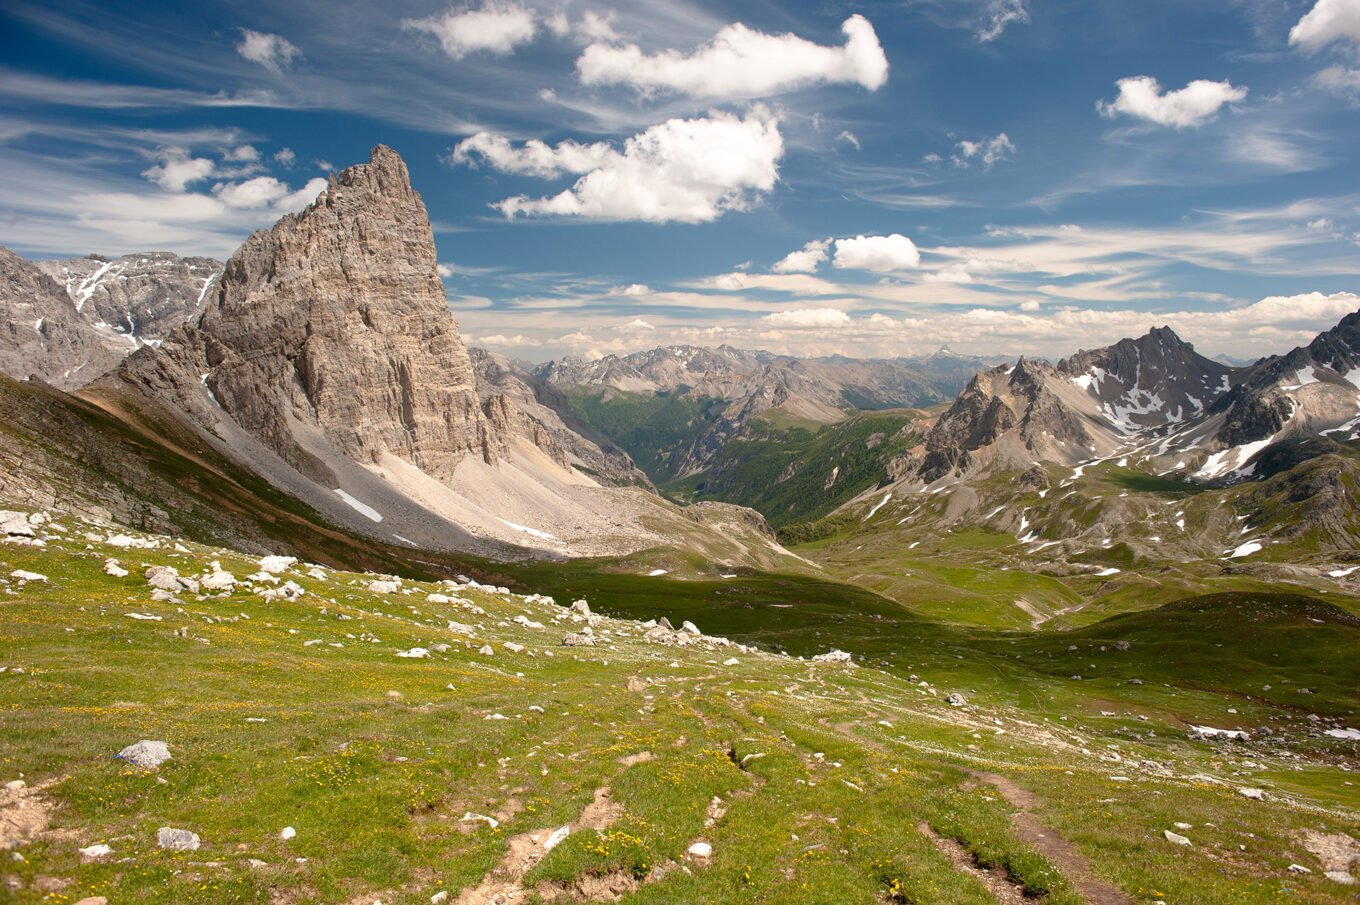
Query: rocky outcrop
(334, 323)
(140, 296)
(42, 334)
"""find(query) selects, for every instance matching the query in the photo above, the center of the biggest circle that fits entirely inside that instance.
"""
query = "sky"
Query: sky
(869, 179)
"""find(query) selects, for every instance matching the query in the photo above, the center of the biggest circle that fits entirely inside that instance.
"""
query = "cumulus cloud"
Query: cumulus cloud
(285, 157)
(1327, 21)
(267, 192)
(496, 27)
(1141, 97)
(998, 15)
(988, 150)
(273, 52)
(534, 157)
(684, 170)
(445, 270)
(805, 260)
(803, 318)
(741, 62)
(178, 169)
(881, 254)
(637, 324)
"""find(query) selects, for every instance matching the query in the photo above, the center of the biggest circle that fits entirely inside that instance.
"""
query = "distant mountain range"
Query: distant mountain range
(322, 362)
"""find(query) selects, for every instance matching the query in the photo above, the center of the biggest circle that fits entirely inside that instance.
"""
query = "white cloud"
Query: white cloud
(1340, 80)
(790, 283)
(988, 150)
(497, 28)
(808, 318)
(849, 138)
(686, 170)
(634, 290)
(445, 271)
(740, 62)
(805, 260)
(637, 324)
(273, 52)
(243, 154)
(1321, 224)
(178, 169)
(998, 15)
(262, 191)
(1327, 21)
(285, 157)
(1029, 305)
(881, 254)
(1142, 98)
(534, 157)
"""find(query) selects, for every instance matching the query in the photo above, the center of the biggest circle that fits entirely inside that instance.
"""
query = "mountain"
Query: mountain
(140, 296)
(676, 409)
(326, 377)
(70, 322)
(1093, 405)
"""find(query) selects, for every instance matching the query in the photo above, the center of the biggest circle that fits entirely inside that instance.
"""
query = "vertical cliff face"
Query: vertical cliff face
(335, 321)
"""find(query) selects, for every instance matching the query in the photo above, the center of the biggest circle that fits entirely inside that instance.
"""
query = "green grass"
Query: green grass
(375, 760)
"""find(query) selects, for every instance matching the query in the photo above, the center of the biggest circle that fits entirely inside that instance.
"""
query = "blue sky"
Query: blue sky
(869, 179)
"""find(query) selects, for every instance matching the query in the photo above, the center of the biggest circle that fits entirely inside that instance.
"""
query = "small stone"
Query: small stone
(146, 754)
(439, 898)
(954, 699)
(1340, 876)
(1175, 838)
(93, 900)
(556, 838)
(177, 840)
(486, 650)
(689, 628)
(1298, 869)
(1257, 794)
(94, 852)
(700, 850)
(287, 833)
(577, 639)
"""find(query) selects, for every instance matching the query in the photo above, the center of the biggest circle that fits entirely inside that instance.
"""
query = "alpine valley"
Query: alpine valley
(306, 601)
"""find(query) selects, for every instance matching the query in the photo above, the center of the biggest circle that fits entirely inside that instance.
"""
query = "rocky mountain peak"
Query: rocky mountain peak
(334, 323)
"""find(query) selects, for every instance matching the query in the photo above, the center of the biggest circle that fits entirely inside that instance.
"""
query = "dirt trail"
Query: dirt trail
(997, 881)
(504, 884)
(1055, 848)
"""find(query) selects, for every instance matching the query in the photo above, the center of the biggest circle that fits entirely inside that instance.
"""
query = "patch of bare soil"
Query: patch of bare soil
(997, 882)
(1055, 848)
(1336, 851)
(25, 813)
(504, 884)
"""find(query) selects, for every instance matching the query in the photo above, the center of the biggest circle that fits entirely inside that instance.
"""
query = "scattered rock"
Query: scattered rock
(384, 587)
(93, 900)
(1299, 869)
(486, 650)
(287, 833)
(834, 656)
(1257, 794)
(95, 852)
(578, 639)
(1175, 838)
(556, 838)
(700, 850)
(512, 647)
(146, 754)
(111, 567)
(414, 653)
(689, 628)
(1340, 876)
(14, 524)
(177, 840)
(24, 575)
(277, 564)
(954, 699)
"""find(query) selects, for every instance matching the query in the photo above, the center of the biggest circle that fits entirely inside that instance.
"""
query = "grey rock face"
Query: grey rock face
(140, 296)
(334, 321)
(43, 335)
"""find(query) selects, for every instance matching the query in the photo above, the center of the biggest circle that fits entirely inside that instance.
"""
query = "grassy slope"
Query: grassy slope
(646, 425)
(786, 473)
(374, 759)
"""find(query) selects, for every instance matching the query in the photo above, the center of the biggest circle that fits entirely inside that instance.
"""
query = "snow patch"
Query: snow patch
(363, 509)
(1246, 549)
(881, 503)
(532, 532)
